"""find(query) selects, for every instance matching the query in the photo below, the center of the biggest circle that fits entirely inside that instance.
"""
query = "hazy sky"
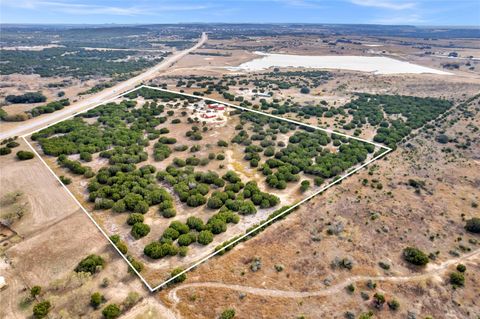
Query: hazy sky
(414, 12)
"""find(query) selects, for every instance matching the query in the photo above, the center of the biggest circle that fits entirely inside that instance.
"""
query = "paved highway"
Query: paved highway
(109, 93)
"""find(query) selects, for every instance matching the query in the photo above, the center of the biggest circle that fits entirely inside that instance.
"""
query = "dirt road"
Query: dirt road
(105, 95)
(431, 271)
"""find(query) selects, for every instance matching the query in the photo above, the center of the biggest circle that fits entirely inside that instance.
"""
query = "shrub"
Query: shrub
(169, 213)
(24, 155)
(122, 247)
(140, 230)
(305, 185)
(96, 299)
(457, 279)
(228, 314)
(41, 309)
(186, 239)
(442, 139)
(304, 90)
(85, 156)
(461, 268)
(119, 206)
(205, 237)
(393, 304)
(135, 218)
(65, 180)
(182, 251)
(131, 299)
(473, 225)
(141, 207)
(111, 311)
(103, 203)
(214, 202)
(222, 143)
(217, 226)
(195, 223)
(35, 291)
(180, 278)
(5, 150)
(90, 264)
(157, 250)
(171, 233)
(196, 200)
(415, 256)
(12, 144)
(135, 264)
(180, 227)
(379, 300)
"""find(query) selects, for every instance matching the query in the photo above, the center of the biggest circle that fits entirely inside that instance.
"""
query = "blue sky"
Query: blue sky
(412, 12)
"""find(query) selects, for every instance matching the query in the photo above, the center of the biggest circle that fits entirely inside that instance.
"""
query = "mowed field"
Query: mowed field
(54, 235)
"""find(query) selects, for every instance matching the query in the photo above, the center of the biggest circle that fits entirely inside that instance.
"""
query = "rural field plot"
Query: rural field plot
(173, 179)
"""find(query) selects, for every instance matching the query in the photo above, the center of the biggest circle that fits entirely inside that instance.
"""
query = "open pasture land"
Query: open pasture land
(169, 177)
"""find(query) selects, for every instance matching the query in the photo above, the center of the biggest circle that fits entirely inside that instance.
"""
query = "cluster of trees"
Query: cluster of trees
(263, 83)
(49, 107)
(160, 95)
(124, 188)
(29, 97)
(74, 61)
(9, 144)
(416, 112)
(305, 153)
(75, 167)
(120, 126)
(185, 234)
(190, 186)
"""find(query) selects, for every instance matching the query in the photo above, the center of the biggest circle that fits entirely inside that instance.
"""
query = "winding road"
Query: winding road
(101, 97)
(431, 271)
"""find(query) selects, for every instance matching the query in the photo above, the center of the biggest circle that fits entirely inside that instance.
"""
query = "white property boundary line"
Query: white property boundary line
(266, 222)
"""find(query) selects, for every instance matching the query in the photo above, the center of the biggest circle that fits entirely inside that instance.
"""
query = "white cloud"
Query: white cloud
(385, 4)
(84, 9)
(408, 19)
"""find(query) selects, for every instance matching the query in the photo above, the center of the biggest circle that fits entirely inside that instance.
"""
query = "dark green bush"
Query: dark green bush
(96, 299)
(111, 311)
(205, 237)
(135, 218)
(415, 256)
(25, 155)
(90, 264)
(41, 309)
(473, 225)
(5, 150)
(140, 230)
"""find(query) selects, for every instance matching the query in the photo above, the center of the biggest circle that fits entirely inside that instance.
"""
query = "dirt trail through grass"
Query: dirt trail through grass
(431, 271)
